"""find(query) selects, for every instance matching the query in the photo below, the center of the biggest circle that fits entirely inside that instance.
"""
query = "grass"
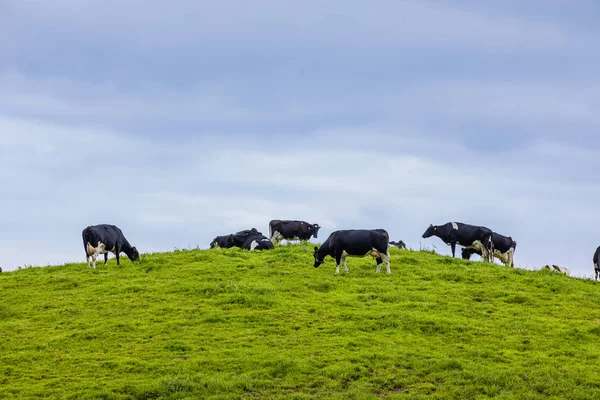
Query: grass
(230, 324)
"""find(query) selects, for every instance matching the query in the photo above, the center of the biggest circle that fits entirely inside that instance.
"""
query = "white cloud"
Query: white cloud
(198, 197)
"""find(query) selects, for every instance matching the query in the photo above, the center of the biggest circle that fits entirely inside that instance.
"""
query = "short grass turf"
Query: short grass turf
(230, 324)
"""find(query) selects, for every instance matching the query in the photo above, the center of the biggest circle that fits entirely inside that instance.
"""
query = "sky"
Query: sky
(183, 120)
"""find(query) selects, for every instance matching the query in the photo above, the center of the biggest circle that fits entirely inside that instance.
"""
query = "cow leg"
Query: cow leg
(94, 256)
(338, 260)
(105, 258)
(597, 271)
(345, 267)
(87, 258)
(274, 238)
(386, 260)
(453, 247)
(117, 253)
(379, 262)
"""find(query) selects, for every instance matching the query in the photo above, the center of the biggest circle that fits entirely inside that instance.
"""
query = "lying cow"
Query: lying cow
(292, 230)
(222, 242)
(251, 239)
(355, 243)
(596, 265)
(104, 239)
(556, 268)
(400, 244)
(504, 250)
(453, 233)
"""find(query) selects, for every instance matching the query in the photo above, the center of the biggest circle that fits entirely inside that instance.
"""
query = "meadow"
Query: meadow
(230, 324)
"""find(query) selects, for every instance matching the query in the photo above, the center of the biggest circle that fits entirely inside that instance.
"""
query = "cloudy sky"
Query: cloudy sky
(183, 120)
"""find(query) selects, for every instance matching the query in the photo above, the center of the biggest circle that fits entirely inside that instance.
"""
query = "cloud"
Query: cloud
(215, 188)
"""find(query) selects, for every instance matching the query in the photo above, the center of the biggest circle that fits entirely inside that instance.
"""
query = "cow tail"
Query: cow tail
(84, 242)
(491, 247)
(270, 230)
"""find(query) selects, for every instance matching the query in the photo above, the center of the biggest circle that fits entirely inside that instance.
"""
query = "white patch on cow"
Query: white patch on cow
(277, 237)
(373, 253)
(253, 245)
(94, 252)
(477, 245)
(454, 226)
(506, 258)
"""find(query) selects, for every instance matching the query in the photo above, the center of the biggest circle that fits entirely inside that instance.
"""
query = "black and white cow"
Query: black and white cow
(557, 268)
(453, 233)
(251, 239)
(222, 242)
(504, 249)
(400, 244)
(596, 265)
(355, 243)
(292, 230)
(104, 239)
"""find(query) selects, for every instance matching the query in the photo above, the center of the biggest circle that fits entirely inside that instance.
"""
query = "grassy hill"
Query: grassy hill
(229, 324)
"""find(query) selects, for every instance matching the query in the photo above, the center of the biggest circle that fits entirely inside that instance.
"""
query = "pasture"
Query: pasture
(230, 324)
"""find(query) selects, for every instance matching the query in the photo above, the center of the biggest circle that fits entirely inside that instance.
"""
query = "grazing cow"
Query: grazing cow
(556, 268)
(102, 239)
(0, 270)
(596, 265)
(453, 233)
(355, 243)
(400, 244)
(222, 242)
(251, 239)
(292, 230)
(504, 250)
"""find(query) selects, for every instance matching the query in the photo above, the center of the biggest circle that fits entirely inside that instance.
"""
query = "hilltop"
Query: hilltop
(230, 324)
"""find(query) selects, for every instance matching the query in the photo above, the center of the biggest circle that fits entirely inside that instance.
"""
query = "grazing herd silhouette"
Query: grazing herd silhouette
(103, 239)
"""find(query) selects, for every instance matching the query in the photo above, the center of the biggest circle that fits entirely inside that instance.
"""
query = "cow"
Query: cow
(556, 268)
(400, 244)
(222, 242)
(453, 233)
(0, 270)
(504, 249)
(596, 265)
(292, 230)
(251, 239)
(355, 243)
(102, 239)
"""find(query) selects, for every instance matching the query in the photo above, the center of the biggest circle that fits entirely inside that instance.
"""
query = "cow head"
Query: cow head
(315, 232)
(468, 252)
(214, 244)
(432, 230)
(135, 255)
(318, 260)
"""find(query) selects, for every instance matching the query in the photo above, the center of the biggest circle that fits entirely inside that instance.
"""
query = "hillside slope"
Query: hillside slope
(232, 324)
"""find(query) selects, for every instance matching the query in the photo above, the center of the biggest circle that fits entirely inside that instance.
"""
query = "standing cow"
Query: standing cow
(355, 243)
(292, 230)
(251, 239)
(596, 265)
(453, 233)
(104, 239)
(504, 249)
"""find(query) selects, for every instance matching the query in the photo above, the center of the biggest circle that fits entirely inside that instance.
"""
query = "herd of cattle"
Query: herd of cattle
(103, 239)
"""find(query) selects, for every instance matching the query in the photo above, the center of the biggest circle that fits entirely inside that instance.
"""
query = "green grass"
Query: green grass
(230, 324)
